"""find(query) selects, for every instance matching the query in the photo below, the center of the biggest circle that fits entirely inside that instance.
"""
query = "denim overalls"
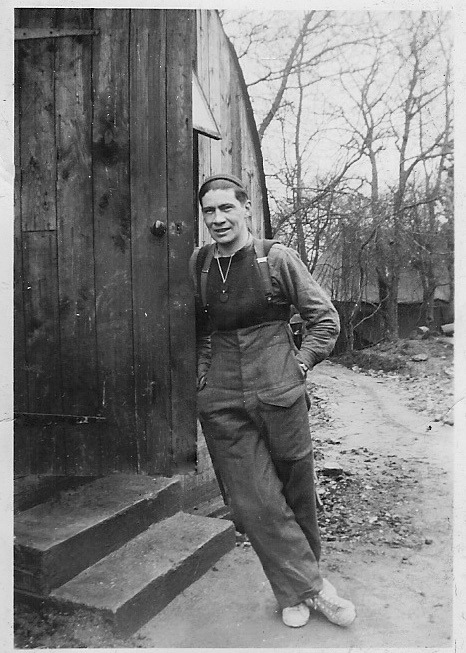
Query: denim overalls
(254, 416)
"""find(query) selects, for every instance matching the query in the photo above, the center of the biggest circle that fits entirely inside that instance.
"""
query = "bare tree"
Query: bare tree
(431, 251)
(389, 137)
(285, 73)
(398, 112)
(418, 99)
(318, 40)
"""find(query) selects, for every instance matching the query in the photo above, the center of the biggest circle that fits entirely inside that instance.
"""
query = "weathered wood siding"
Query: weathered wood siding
(107, 167)
(104, 322)
(238, 150)
(113, 242)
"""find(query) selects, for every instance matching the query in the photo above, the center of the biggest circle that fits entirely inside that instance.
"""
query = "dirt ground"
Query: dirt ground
(382, 424)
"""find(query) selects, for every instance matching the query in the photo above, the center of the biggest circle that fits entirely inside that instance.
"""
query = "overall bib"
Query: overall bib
(254, 416)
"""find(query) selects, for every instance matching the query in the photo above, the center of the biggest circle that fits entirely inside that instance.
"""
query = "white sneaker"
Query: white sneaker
(337, 610)
(295, 616)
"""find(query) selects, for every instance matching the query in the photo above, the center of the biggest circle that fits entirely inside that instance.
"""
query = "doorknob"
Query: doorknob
(158, 229)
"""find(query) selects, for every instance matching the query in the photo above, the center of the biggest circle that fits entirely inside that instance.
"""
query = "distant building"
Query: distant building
(344, 291)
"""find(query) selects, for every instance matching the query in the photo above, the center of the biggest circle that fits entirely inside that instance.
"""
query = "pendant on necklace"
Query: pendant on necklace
(224, 294)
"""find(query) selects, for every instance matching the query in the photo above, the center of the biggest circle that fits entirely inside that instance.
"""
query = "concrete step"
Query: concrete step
(56, 540)
(212, 508)
(134, 583)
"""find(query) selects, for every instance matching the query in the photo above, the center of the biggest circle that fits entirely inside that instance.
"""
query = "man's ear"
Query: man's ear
(247, 206)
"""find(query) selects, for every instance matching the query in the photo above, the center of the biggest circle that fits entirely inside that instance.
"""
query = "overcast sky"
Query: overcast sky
(329, 108)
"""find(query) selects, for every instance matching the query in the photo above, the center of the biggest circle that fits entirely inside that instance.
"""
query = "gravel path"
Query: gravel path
(385, 478)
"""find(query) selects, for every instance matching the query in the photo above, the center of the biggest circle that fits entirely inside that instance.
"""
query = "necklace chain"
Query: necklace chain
(224, 276)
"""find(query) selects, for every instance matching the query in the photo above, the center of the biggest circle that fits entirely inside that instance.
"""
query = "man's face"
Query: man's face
(225, 216)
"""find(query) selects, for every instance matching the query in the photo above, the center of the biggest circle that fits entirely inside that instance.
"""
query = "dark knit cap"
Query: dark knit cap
(227, 177)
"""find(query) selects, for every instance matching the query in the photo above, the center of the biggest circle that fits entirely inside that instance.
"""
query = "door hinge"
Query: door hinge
(25, 33)
(40, 418)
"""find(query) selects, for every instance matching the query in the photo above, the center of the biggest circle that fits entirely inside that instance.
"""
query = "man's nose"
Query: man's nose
(218, 216)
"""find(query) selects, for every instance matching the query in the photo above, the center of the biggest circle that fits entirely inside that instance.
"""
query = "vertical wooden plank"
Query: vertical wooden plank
(36, 87)
(45, 454)
(204, 143)
(196, 212)
(236, 102)
(83, 449)
(20, 374)
(249, 173)
(225, 105)
(215, 32)
(202, 37)
(248, 162)
(37, 365)
(34, 93)
(23, 450)
(180, 36)
(75, 230)
(112, 235)
(196, 209)
(244, 140)
(150, 252)
(22, 440)
(41, 319)
(204, 168)
(252, 175)
(75, 215)
(45, 445)
(49, 452)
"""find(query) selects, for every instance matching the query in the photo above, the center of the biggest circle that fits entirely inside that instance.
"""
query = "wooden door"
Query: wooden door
(104, 350)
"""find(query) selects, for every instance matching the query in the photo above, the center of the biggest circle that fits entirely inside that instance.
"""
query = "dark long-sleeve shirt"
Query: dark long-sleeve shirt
(292, 284)
(291, 279)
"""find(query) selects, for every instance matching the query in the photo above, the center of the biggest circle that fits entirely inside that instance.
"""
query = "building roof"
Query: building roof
(342, 288)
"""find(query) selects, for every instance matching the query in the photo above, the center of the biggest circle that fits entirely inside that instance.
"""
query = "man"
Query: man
(252, 396)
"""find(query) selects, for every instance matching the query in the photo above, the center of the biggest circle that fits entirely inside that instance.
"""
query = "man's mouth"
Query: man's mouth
(221, 232)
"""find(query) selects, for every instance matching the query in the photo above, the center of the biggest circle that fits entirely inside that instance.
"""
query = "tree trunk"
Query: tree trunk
(388, 297)
(300, 235)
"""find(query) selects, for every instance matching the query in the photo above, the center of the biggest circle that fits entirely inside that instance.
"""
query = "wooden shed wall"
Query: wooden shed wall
(238, 151)
(104, 308)
(104, 149)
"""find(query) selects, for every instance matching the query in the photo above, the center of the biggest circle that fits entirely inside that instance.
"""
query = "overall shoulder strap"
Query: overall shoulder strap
(205, 255)
(262, 248)
(210, 249)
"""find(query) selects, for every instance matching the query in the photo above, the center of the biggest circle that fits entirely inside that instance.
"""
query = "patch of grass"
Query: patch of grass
(396, 356)
(372, 359)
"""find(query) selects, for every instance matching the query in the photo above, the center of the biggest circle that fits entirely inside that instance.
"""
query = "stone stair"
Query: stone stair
(119, 546)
